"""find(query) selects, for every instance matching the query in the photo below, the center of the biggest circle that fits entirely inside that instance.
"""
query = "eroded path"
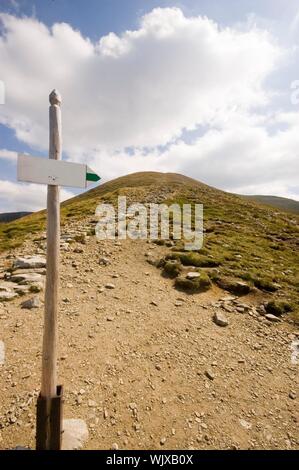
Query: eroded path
(145, 365)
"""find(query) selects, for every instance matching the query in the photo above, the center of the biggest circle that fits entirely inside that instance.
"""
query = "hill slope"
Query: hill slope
(144, 362)
(247, 241)
(281, 203)
(10, 216)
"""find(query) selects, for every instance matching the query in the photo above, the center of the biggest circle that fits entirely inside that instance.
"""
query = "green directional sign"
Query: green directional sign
(54, 172)
(91, 175)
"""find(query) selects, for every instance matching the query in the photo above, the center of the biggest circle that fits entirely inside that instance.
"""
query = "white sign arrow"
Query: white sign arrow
(54, 172)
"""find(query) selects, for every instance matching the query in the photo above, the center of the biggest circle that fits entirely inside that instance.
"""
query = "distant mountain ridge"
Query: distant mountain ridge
(282, 203)
(10, 216)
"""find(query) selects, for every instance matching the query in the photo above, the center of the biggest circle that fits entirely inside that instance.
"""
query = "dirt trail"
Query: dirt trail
(135, 365)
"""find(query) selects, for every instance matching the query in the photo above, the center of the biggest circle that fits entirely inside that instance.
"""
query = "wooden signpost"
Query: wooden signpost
(54, 173)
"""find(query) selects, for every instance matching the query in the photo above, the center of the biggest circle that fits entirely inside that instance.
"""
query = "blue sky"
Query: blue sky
(198, 87)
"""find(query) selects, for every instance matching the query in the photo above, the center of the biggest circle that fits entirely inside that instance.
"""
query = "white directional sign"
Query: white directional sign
(54, 172)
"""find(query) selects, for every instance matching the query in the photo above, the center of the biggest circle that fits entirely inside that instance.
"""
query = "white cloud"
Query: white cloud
(140, 89)
(245, 157)
(144, 89)
(15, 197)
(241, 156)
(8, 155)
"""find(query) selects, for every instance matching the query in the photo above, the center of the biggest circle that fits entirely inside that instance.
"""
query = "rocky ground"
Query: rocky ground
(146, 366)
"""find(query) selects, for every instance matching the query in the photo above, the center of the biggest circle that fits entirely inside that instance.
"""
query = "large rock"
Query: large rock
(220, 319)
(29, 262)
(31, 303)
(272, 318)
(26, 278)
(234, 286)
(4, 288)
(75, 434)
(7, 295)
(21, 290)
(153, 261)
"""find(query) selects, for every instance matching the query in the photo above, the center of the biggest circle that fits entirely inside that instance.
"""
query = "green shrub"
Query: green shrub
(172, 268)
(194, 259)
(234, 286)
(278, 307)
(200, 284)
(265, 284)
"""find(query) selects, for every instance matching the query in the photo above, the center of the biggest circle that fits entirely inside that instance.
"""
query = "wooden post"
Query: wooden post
(49, 381)
(49, 404)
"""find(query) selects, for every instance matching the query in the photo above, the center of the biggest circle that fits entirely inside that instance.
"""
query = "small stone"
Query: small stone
(153, 302)
(110, 286)
(35, 287)
(162, 441)
(292, 395)
(114, 446)
(75, 434)
(220, 319)
(31, 303)
(132, 406)
(158, 367)
(228, 298)
(210, 374)
(193, 275)
(272, 318)
(227, 308)
(240, 309)
(109, 318)
(245, 424)
(92, 404)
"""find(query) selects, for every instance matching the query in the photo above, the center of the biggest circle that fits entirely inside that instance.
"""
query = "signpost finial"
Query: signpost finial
(55, 97)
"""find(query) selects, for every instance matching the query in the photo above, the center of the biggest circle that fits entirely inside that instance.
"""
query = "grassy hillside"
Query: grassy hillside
(243, 239)
(10, 216)
(281, 203)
